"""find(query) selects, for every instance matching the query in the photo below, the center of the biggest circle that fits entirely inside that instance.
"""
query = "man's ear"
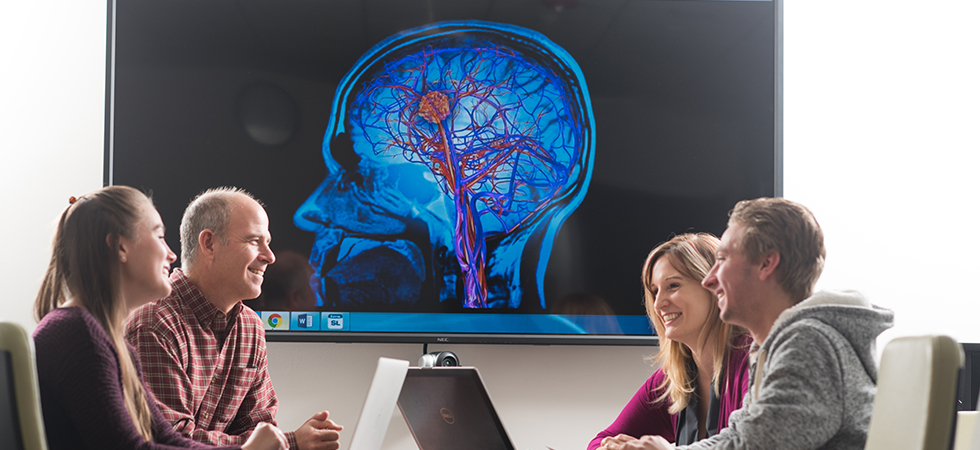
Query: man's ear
(205, 244)
(769, 263)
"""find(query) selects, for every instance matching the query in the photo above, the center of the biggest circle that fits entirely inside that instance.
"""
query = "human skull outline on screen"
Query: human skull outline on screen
(475, 136)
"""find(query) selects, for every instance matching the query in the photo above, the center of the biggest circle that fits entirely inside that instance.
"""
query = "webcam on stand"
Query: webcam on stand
(439, 359)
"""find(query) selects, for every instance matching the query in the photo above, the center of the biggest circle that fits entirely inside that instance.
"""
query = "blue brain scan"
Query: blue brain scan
(454, 153)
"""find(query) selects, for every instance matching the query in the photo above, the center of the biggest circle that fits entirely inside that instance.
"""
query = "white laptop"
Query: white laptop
(448, 408)
(372, 425)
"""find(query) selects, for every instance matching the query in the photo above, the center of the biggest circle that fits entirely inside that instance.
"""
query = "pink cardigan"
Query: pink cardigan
(643, 416)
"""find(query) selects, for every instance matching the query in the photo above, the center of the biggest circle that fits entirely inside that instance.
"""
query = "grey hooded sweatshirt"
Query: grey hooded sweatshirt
(813, 382)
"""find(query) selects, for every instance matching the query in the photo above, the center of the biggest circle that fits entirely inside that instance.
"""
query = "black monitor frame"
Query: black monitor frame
(463, 338)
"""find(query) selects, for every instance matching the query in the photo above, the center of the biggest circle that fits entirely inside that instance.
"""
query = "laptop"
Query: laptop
(448, 408)
(372, 425)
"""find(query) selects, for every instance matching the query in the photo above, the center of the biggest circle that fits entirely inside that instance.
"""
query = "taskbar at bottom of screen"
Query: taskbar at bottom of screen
(369, 322)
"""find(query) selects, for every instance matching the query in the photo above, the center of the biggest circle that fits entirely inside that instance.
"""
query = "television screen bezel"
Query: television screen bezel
(461, 338)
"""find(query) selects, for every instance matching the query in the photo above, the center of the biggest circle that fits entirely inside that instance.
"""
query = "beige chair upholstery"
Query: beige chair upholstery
(17, 349)
(916, 401)
(966, 422)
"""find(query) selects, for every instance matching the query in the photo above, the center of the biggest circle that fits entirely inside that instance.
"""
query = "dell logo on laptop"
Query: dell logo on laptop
(447, 415)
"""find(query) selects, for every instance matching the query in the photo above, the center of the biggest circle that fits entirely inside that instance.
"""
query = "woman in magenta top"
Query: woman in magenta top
(704, 362)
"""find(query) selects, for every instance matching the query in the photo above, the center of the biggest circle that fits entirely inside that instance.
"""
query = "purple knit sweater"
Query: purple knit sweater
(643, 416)
(81, 389)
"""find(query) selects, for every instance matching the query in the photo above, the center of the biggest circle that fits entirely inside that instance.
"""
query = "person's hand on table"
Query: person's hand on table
(266, 436)
(625, 442)
(318, 433)
(614, 442)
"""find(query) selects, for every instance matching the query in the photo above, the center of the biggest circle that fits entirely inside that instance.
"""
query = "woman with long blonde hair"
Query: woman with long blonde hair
(109, 257)
(703, 372)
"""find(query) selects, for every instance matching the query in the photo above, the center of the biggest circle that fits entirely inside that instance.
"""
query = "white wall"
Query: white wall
(882, 142)
(881, 139)
(52, 56)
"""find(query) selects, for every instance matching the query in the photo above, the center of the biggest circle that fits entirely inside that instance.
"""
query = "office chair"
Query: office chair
(21, 424)
(915, 406)
(966, 423)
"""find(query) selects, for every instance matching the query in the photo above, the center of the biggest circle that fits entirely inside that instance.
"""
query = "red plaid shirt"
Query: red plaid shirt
(208, 371)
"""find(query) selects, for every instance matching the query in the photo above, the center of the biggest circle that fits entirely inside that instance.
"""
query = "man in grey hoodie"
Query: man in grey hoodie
(813, 367)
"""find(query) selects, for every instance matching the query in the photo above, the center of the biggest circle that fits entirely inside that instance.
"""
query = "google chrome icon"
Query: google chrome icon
(275, 320)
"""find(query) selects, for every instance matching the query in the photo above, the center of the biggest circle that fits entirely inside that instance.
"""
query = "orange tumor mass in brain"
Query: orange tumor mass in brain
(434, 106)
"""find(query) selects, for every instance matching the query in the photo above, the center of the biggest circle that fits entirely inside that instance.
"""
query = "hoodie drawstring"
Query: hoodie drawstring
(760, 362)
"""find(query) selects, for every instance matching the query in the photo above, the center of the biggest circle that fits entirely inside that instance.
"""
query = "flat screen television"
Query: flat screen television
(451, 170)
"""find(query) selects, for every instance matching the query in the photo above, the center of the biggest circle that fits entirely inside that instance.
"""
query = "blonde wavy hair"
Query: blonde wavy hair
(691, 254)
(84, 267)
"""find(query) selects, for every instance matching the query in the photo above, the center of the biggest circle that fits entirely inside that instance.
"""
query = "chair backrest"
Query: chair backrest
(21, 423)
(915, 406)
(966, 423)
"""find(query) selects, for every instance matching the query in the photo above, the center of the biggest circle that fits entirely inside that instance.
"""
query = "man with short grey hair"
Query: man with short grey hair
(210, 210)
(813, 370)
(202, 351)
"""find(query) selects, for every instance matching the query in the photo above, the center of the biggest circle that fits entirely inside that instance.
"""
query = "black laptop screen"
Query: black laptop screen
(448, 409)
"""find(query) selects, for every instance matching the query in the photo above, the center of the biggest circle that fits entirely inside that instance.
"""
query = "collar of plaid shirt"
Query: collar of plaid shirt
(207, 314)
